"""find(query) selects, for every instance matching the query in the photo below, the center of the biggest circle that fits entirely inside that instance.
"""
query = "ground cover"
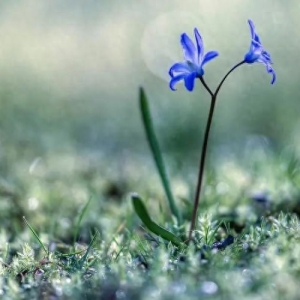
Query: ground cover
(102, 250)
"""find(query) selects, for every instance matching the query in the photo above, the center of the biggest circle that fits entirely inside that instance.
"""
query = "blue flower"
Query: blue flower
(192, 68)
(257, 53)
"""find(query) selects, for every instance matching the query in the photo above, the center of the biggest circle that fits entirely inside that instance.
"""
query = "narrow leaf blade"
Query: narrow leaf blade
(153, 143)
(79, 220)
(36, 236)
(142, 212)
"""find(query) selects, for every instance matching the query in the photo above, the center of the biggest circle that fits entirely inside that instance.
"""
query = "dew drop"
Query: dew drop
(209, 287)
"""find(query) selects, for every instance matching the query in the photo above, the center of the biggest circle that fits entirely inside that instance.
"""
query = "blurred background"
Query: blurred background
(70, 73)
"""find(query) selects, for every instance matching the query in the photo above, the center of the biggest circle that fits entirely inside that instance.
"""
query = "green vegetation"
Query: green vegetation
(114, 257)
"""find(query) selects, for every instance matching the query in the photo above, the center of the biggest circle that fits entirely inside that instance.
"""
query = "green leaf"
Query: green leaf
(36, 236)
(84, 257)
(153, 143)
(141, 211)
(79, 220)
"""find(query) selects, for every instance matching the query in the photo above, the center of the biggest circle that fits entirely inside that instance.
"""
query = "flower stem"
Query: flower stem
(201, 167)
(205, 144)
(206, 86)
(225, 77)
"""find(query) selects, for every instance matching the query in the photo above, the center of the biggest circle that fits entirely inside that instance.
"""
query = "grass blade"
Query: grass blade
(84, 257)
(141, 211)
(153, 143)
(36, 236)
(215, 231)
(80, 217)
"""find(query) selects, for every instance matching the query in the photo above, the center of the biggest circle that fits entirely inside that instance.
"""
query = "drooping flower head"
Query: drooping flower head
(195, 59)
(257, 53)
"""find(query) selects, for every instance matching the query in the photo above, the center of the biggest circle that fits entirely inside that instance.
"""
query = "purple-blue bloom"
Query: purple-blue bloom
(257, 53)
(195, 59)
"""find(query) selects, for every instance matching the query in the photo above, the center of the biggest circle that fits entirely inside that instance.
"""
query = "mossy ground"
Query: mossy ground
(257, 201)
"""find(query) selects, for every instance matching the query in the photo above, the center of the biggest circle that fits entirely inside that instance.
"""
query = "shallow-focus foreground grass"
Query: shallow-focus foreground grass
(256, 200)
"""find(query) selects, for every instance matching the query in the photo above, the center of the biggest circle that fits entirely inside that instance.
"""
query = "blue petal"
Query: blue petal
(209, 56)
(264, 60)
(252, 29)
(256, 39)
(189, 49)
(254, 35)
(249, 58)
(253, 55)
(266, 56)
(189, 81)
(271, 71)
(175, 80)
(200, 46)
(179, 68)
